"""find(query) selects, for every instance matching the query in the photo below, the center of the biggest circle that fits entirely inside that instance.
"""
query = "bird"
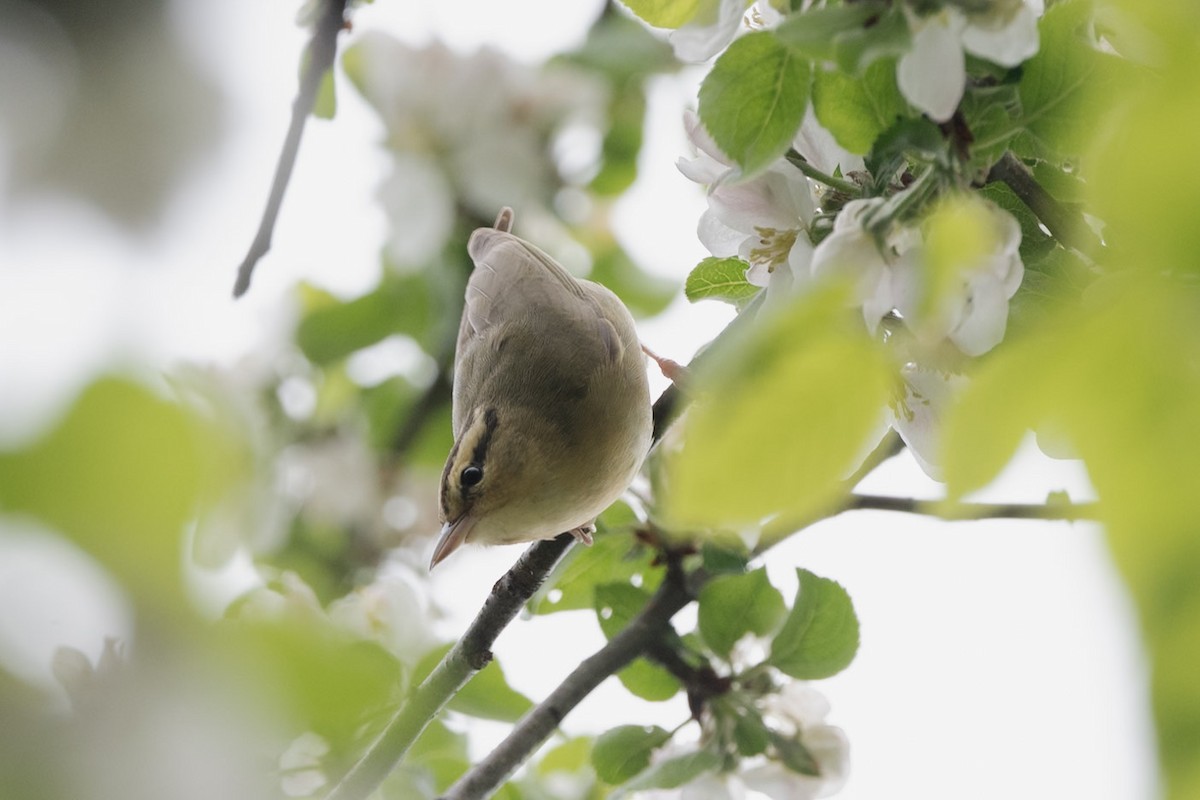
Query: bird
(551, 409)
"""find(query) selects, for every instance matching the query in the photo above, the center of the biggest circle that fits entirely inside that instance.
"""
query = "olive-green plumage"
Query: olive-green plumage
(551, 405)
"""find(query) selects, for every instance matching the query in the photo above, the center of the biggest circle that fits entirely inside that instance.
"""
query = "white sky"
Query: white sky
(999, 659)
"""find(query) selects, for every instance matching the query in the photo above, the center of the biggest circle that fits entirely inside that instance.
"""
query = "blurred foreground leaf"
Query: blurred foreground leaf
(120, 474)
(780, 418)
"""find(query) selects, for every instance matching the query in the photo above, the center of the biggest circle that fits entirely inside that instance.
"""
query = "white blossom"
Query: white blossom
(393, 610)
(917, 416)
(763, 220)
(487, 148)
(300, 765)
(974, 315)
(932, 74)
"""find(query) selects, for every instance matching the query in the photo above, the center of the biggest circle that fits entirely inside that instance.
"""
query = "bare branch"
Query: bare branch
(322, 49)
(975, 511)
(650, 625)
(1065, 225)
(469, 654)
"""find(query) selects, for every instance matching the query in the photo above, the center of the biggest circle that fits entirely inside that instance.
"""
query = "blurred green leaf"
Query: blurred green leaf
(815, 32)
(783, 414)
(672, 773)
(622, 141)
(857, 109)
(721, 557)
(330, 683)
(120, 474)
(486, 695)
(624, 751)
(570, 756)
(644, 294)
(616, 605)
(613, 558)
(332, 329)
(750, 733)
(665, 13)
(820, 636)
(754, 98)
(440, 752)
(1119, 379)
(720, 279)
(325, 103)
(794, 755)
(622, 48)
(730, 606)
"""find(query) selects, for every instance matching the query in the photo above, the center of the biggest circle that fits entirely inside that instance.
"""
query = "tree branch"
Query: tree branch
(1064, 225)
(535, 727)
(469, 654)
(975, 511)
(322, 49)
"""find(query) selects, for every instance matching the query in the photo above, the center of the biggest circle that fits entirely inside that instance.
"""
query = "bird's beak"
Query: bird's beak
(453, 534)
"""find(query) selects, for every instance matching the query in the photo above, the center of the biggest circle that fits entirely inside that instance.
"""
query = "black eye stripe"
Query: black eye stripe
(491, 421)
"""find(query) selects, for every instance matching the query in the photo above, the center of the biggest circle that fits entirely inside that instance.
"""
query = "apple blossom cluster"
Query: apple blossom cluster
(766, 220)
(486, 149)
(931, 73)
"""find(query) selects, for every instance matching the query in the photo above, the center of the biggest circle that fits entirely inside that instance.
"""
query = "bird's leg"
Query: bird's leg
(584, 533)
(673, 371)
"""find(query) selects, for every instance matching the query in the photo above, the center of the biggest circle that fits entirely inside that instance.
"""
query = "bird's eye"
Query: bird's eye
(471, 476)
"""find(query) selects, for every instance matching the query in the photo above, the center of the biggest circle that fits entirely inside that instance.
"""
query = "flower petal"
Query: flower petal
(1008, 43)
(932, 74)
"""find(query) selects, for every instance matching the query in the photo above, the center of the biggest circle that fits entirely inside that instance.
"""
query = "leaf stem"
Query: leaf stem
(805, 166)
(651, 624)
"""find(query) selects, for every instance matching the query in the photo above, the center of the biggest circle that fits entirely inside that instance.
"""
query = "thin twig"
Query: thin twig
(955, 511)
(322, 48)
(535, 727)
(1065, 225)
(804, 165)
(469, 654)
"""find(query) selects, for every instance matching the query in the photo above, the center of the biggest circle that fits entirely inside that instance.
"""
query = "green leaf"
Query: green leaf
(1119, 380)
(644, 294)
(753, 100)
(616, 605)
(1068, 83)
(440, 752)
(649, 681)
(857, 109)
(794, 755)
(623, 752)
(750, 733)
(333, 329)
(666, 13)
(672, 773)
(325, 103)
(622, 141)
(486, 696)
(120, 474)
(722, 557)
(813, 33)
(614, 558)
(571, 756)
(820, 636)
(786, 411)
(720, 279)
(329, 685)
(733, 605)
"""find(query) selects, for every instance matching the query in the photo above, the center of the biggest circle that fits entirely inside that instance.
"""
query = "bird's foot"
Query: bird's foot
(672, 370)
(584, 533)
